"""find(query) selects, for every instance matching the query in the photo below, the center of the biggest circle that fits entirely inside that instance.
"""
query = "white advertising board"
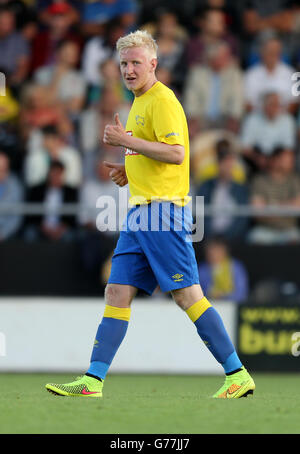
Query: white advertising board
(57, 334)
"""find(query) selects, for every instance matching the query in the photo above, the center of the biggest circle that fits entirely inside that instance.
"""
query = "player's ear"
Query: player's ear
(154, 63)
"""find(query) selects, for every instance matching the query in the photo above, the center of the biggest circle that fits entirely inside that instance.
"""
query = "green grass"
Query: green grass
(149, 404)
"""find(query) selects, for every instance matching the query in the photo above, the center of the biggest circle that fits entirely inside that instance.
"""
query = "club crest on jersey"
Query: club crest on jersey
(129, 152)
(140, 120)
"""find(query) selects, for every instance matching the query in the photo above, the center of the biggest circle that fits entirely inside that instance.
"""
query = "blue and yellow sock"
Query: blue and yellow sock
(110, 334)
(212, 331)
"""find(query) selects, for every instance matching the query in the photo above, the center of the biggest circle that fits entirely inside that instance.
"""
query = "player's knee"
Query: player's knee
(116, 296)
(187, 296)
(179, 299)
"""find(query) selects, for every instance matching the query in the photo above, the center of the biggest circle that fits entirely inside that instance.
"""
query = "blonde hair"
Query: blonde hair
(139, 38)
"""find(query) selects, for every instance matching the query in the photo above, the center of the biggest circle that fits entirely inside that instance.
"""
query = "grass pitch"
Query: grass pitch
(149, 404)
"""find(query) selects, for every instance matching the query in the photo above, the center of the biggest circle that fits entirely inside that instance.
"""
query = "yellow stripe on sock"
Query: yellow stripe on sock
(197, 309)
(121, 313)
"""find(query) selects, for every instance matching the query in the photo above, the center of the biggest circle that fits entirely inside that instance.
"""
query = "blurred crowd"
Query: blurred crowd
(233, 65)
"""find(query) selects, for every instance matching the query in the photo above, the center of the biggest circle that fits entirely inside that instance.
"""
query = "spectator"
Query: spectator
(18, 8)
(92, 124)
(263, 131)
(53, 147)
(14, 51)
(204, 163)
(212, 29)
(101, 12)
(48, 8)
(171, 42)
(222, 193)
(25, 16)
(213, 94)
(11, 192)
(98, 49)
(109, 73)
(171, 39)
(221, 276)
(53, 194)
(65, 84)
(59, 29)
(231, 11)
(39, 109)
(259, 16)
(269, 75)
(280, 186)
(262, 18)
(150, 9)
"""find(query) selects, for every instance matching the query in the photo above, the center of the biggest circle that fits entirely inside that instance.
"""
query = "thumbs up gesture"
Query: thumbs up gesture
(115, 134)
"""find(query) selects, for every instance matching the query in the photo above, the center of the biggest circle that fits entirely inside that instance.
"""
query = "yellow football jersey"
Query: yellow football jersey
(157, 116)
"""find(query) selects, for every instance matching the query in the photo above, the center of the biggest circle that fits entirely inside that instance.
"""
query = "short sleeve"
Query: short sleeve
(168, 122)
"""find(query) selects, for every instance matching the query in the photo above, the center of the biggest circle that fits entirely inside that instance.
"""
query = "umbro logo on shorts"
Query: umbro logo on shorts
(177, 277)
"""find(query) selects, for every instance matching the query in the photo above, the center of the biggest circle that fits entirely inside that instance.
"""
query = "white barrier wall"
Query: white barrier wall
(57, 334)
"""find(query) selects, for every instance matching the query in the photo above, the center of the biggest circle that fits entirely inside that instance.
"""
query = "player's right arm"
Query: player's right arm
(161, 150)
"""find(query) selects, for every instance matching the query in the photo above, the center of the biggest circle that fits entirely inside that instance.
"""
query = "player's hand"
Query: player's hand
(118, 173)
(115, 134)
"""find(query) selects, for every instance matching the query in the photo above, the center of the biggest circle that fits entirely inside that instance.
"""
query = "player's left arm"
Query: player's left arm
(172, 154)
(116, 135)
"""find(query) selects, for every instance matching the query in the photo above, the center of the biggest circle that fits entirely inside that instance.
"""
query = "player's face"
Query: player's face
(138, 69)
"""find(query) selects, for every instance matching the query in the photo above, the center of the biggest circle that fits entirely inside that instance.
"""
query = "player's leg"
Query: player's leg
(209, 326)
(172, 259)
(112, 328)
(110, 334)
(212, 331)
(130, 270)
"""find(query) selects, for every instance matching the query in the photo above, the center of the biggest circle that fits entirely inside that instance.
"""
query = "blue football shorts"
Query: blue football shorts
(154, 249)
